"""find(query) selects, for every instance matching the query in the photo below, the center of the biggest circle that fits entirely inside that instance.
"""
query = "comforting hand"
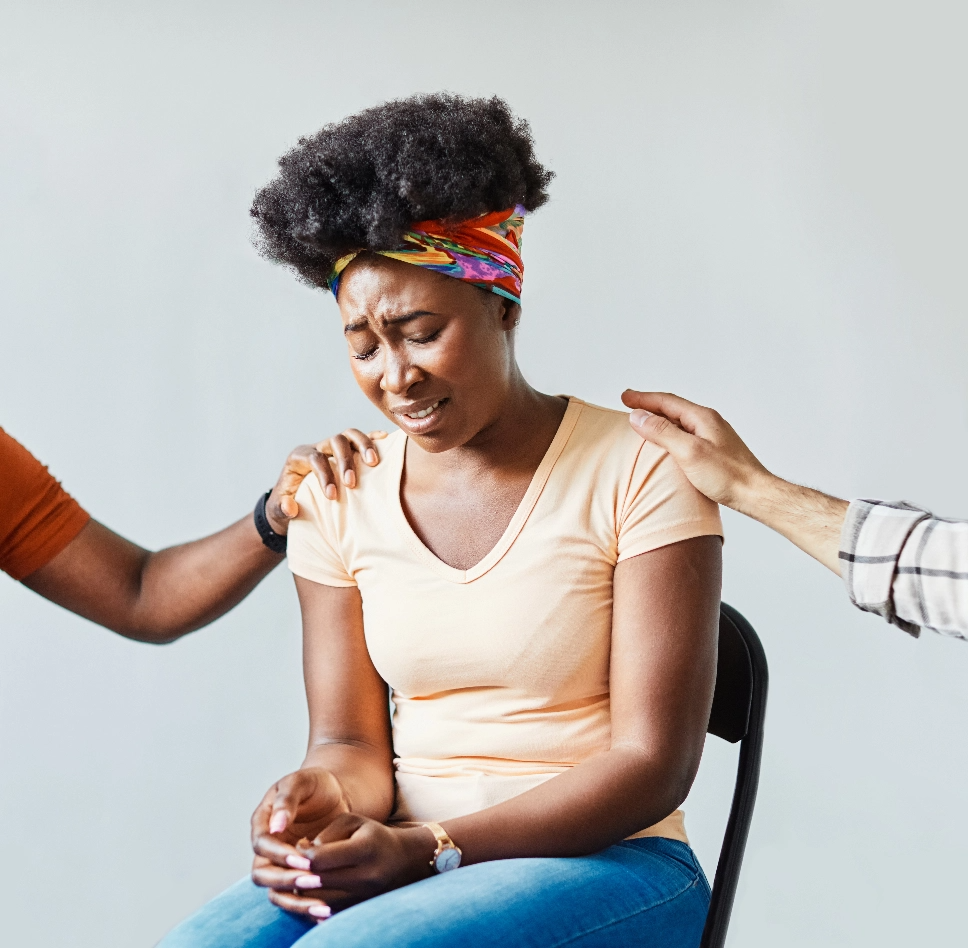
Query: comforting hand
(281, 507)
(719, 464)
(703, 444)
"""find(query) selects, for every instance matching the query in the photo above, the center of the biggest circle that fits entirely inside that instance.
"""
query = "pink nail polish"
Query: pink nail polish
(278, 822)
(320, 911)
(298, 862)
(308, 882)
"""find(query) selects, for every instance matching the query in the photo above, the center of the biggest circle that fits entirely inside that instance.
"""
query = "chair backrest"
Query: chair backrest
(738, 712)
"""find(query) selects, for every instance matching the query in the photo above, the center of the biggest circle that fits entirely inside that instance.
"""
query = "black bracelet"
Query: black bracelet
(274, 541)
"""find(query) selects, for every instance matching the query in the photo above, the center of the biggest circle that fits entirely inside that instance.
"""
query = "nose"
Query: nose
(399, 373)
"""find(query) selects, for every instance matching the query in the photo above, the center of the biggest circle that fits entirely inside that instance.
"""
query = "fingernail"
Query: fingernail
(639, 417)
(371, 456)
(307, 882)
(349, 478)
(278, 822)
(331, 491)
(298, 862)
(320, 911)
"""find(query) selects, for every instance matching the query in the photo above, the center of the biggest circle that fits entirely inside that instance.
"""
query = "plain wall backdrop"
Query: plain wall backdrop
(759, 205)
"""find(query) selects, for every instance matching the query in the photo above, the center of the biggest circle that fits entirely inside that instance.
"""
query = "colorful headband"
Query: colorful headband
(485, 251)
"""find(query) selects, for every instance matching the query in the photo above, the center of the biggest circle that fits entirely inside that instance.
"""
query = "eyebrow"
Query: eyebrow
(361, 324)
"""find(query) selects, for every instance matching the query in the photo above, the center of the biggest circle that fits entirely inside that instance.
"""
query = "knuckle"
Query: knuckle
(689, 454)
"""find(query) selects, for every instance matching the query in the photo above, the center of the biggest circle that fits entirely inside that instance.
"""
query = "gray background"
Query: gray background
(758, 205)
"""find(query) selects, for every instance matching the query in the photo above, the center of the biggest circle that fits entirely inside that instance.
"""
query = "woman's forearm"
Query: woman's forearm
(592, 806)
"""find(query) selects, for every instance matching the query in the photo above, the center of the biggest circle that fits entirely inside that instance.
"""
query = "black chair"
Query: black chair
(739, 708)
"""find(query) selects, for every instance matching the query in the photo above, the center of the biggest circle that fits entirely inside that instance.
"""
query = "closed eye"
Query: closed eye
(365, 356)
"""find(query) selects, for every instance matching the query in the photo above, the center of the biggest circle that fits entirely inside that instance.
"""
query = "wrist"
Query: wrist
(277, 519)
(271, 538)
(419, 846)
(759, 496)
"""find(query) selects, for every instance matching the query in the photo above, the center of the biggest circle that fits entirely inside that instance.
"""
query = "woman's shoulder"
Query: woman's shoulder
(604, 450)
(606, 431)
(325, 535)
(654, 502)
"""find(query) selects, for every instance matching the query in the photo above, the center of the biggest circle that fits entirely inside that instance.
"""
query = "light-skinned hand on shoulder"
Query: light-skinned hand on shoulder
(720, 465)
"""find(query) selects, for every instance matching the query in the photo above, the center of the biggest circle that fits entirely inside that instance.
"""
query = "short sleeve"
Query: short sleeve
(313, 544)
(662, 507)
(38, 518)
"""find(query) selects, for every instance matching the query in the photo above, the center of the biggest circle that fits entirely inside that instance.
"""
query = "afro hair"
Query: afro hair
(359, 184)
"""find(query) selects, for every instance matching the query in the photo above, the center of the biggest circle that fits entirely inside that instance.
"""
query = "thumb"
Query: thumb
(291, 792)
(288, 505)
(281, 816)
(281, 505)
(659, 430)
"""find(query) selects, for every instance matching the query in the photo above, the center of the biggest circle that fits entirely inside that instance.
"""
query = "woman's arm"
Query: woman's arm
(349, 763)
(349, 704)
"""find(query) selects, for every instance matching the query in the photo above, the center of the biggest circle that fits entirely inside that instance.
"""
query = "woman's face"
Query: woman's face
(433, 353)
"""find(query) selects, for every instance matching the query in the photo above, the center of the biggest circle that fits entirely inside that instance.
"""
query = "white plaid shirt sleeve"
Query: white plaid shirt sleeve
(907, 566)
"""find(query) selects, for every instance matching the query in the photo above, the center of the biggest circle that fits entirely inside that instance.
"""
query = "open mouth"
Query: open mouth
(418, 422)
(423, 413)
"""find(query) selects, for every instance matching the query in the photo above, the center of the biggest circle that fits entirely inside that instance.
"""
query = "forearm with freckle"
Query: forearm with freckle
(808, 518)
(601, 801)
(155, 597)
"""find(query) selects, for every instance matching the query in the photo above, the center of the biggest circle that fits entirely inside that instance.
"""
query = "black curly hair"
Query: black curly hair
(361, 183)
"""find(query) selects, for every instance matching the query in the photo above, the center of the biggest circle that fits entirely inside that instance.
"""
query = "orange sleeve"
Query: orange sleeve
(38, 518)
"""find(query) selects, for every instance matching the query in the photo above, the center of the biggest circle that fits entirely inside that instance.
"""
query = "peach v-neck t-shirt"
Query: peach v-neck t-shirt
(499, 673)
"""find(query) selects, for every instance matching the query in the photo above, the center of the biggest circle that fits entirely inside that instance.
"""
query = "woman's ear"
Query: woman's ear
(511, 316)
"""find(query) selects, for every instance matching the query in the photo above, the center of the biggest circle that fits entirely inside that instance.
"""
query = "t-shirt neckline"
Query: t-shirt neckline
(517, 522)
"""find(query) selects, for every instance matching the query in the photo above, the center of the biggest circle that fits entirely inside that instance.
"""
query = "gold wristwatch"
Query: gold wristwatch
(447, 856)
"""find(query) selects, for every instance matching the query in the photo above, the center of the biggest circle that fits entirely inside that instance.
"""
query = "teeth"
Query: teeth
(425, 412)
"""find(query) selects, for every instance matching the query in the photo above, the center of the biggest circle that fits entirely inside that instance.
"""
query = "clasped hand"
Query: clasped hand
(316, 856)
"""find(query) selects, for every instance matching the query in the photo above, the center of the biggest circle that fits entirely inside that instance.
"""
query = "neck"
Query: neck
(517, 438)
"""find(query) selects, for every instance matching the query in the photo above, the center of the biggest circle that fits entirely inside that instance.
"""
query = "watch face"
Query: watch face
(447, 859)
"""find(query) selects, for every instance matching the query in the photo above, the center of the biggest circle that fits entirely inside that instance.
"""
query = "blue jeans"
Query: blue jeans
(641, 892)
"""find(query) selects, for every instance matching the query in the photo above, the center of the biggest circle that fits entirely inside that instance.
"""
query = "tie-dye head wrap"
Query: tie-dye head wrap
(485, 251)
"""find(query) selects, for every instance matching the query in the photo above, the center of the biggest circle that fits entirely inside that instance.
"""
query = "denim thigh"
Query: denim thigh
(241, 917)
(642, 892)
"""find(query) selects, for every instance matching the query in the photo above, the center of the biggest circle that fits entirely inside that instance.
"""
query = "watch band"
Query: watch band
(274, 541)
(444, 845)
